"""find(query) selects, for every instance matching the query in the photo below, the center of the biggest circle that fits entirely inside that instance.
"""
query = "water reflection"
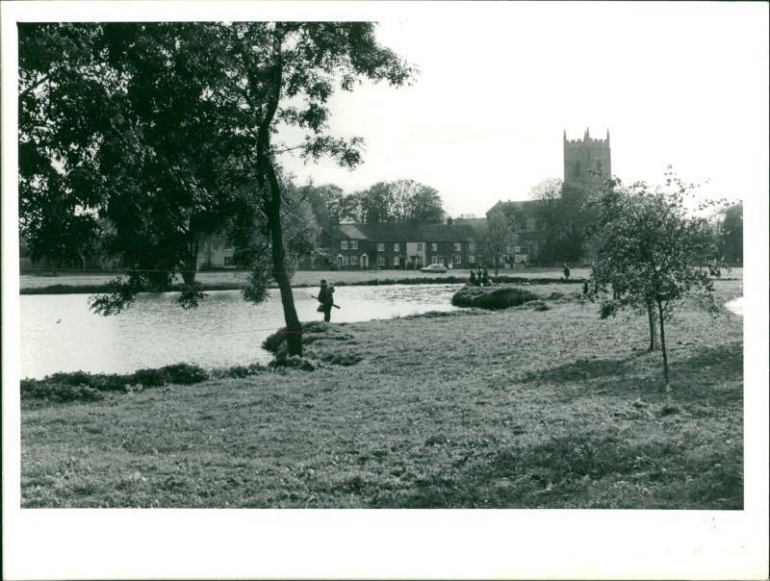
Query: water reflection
(59, 333)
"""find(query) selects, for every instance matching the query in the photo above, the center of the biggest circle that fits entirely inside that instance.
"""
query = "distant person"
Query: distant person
(326, 298)
(566, 272)
(485, 277)
(585, 288)
(473, 281)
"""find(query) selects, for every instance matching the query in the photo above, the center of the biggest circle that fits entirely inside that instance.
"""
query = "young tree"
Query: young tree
(649, 247)
(498, 238)
(186, 113)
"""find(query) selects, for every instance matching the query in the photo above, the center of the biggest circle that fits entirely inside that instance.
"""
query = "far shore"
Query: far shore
(69, 282)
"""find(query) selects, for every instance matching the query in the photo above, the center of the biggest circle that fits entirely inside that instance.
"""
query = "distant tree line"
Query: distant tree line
(402, 201)
(567, 213)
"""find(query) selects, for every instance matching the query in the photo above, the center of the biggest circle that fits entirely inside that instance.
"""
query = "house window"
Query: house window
(396, 261)
(354, 261)
(434, 259)
(517, 249)
(434, 246)
(419, 246)
(229, 261)
(396, 247)
(471, 259)
(354, 244)
(457, 246)
(380, 261)
(531, 224)
(457, 259)
(380, 247)
(345, 260)
(343, 244)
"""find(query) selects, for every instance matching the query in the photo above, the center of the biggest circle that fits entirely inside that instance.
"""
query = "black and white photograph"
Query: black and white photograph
(385, 289)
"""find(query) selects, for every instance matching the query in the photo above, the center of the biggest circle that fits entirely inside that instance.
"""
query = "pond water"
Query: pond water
(735, 306)
(59, 333)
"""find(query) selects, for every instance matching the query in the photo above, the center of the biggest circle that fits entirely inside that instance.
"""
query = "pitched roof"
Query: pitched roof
(405, 232)
(526, 207)
(350, 231)
(445, 232)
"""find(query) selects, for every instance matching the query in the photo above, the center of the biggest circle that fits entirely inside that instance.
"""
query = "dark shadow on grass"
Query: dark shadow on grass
(583, 370)
(708, 375)
(563, 472)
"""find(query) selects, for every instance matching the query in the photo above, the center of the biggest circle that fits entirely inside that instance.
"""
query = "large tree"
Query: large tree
(566, 212)
(652, 249)
(174, 125)
(730, 233)
(401, 202)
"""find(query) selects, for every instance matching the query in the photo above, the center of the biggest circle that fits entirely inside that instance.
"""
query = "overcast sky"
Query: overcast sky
(678, 83)
(681, 83)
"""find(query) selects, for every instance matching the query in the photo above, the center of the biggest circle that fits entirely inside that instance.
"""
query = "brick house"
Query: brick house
(397, 246)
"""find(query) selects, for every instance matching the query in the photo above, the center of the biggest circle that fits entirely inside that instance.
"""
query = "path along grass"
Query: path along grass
(520, 408)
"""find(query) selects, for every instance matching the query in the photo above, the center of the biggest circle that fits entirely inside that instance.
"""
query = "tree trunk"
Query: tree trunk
(495, 264)
(663, 349)
(268, 185)
(653, 327)
(273, 206)
(190, 265)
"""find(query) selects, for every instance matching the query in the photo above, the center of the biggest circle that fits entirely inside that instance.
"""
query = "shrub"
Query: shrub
(294, 362)
(493, 297)
(147, 377)
(183, 374)
(74, 378)
(58, 392)
(239, 371)
(109, 382)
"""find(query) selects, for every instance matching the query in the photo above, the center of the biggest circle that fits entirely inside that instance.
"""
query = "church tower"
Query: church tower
(587, 161)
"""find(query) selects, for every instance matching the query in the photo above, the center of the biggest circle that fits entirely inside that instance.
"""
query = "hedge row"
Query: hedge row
(82, 386)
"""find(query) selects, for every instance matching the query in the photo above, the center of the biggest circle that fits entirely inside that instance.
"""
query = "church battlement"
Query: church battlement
(581, 142)
(587, 161)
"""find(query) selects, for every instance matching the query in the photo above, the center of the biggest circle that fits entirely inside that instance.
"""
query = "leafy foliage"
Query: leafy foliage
(82, 386)
(498, 238)
(650, 251)
(163, 131)
(402, 202)
(567, 212)
(730, 233)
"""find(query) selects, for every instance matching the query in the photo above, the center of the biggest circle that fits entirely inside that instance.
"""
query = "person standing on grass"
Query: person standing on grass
(472, 280)
(566, 271)
(326, 298)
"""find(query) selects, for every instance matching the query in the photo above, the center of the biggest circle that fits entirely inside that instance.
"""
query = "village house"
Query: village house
(396, 246)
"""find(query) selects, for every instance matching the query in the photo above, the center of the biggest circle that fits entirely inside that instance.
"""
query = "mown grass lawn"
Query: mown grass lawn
(518, 408)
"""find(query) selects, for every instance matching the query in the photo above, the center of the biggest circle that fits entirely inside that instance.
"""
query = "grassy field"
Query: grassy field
(519, 408)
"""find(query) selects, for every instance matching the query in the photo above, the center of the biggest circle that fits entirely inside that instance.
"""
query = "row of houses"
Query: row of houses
(455, 244)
